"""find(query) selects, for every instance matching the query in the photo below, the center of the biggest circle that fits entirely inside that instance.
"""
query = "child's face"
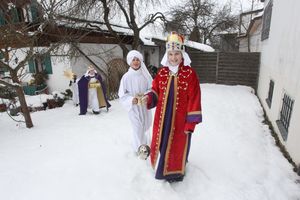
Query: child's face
(135, 64)
(92, 72)
(174, 57)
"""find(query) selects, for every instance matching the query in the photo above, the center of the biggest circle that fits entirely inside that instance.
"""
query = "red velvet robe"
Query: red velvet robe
(184, 90)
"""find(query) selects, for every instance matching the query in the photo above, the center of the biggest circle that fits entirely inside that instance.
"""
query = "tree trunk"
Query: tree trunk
(136, 40)
(21, 96)
(24, 107)
(195, 35)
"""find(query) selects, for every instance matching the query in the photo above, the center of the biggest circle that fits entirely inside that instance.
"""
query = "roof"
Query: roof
(190, 44)
(254, 22)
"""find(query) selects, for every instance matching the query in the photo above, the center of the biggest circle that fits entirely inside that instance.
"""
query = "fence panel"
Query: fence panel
(229, 68)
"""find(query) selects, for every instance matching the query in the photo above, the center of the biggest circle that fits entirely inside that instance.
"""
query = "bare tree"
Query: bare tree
(21, 35)
(202, 19)
(103, 14)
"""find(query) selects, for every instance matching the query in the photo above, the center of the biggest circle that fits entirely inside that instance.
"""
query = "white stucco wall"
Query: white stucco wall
(101, 54)
(243, 45)
(153, 52)
(280, 61)
(255, 43)
(98, 53)
(57, 81)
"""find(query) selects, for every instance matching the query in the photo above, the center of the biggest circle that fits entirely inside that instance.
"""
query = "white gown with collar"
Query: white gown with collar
(132, 83)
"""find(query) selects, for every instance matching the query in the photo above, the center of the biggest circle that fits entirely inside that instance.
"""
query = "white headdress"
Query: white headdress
(135, 54)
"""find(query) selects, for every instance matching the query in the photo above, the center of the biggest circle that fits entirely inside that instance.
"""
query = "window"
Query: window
(20, 14)
(285, 116)
(270, 93)
(31, 12)
(13, 15)
(34, 12)
(266, 21)
(2, 17)
(147, 58)
(40, 63)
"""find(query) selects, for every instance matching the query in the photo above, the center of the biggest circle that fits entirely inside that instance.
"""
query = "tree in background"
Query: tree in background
(23, 28)
(114, 16)
(201, 20)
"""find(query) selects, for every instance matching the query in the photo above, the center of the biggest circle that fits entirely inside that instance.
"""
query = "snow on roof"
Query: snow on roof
(147, 41)
(147, 35)
(199, 46)
(192, 44)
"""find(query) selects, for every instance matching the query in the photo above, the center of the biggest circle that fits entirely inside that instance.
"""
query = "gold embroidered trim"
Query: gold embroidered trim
(183, 162)
(162, 117)
(194, 112)
(171, 134)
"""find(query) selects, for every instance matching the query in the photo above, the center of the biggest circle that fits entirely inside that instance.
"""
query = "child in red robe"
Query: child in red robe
(177, 98)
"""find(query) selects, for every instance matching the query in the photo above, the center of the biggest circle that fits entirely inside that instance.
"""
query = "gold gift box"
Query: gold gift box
(94, 85)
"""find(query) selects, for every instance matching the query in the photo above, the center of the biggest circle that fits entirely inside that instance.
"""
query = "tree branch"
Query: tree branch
(153, 18)
(9, 84)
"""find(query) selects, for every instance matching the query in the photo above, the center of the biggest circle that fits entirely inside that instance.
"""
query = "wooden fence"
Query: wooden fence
(229, 68)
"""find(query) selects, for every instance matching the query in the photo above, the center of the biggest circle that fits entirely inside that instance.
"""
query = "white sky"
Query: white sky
(242, 5)
(70, 157)
(237, 7)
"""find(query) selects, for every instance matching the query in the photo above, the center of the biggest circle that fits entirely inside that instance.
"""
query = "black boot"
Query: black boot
(96, 112)
(176, 179)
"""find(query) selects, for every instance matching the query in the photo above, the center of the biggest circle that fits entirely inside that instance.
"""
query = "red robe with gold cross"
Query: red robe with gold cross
(177, 98)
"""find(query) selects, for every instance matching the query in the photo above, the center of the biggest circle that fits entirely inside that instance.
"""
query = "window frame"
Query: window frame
(267, 18)
(285, 115)
(41, 63)
(270, 93)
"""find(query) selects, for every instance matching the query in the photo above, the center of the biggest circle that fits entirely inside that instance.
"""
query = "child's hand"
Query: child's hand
(134, 101)
(145, 99)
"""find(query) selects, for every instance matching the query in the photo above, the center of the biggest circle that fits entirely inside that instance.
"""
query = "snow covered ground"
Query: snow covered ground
(71, 157)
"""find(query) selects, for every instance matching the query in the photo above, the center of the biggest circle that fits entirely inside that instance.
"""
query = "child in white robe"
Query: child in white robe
(134, 83)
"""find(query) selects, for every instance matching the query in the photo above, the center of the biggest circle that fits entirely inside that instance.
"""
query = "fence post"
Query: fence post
(217, 67)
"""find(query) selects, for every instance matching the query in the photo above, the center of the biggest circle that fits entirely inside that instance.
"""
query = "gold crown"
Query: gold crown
(175, 42)
(175, 37)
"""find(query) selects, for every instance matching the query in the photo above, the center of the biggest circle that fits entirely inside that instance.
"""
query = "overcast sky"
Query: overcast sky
(237, 5)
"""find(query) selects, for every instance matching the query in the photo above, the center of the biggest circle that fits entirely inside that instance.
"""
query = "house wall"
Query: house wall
(280, 62)
(57, 81)
(255, 39)
(100, 54)
(243, 45)
(153, 52)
